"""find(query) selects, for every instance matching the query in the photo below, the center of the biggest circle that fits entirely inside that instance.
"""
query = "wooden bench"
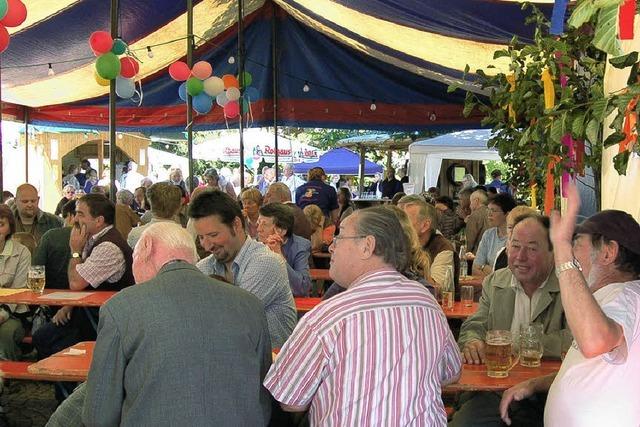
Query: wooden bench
(17, 370)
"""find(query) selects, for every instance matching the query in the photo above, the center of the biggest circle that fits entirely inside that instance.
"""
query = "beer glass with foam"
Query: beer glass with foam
(36, 278)
(500, 353)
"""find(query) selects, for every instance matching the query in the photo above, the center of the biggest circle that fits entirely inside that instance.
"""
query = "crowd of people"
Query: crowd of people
(216, 273)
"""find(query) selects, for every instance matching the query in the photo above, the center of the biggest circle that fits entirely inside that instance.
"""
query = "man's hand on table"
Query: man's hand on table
(63, 316)
(473, 352)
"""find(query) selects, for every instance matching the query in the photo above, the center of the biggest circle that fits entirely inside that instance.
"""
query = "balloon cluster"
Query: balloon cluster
(110, 66)
(12, 14)
(204, 88)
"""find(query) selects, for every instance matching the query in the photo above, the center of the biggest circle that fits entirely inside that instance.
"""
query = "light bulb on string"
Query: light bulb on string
(50, 71)
(306, 87)
(433, 116)
(149, 52)
(373, 106)
(232, 60)
(119, 136)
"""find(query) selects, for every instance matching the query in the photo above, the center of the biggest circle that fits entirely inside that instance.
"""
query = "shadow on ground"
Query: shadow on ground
(27, 403)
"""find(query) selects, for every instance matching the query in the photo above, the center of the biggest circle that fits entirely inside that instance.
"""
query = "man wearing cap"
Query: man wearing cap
(598, 265)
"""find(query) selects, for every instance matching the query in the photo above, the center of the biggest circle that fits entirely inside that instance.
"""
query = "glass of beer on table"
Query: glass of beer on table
(531, 345)
(500, 353)
(36, 279)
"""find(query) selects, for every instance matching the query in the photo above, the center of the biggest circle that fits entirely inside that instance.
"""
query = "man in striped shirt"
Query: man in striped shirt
(376, 354)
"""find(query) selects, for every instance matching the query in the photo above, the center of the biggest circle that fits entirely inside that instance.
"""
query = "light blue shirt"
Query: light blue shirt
(490, 244)
(258, 270)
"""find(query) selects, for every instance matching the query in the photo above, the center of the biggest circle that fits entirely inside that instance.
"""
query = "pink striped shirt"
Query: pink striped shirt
(374, 355)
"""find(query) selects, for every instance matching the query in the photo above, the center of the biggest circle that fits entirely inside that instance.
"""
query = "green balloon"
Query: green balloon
(248, 78)
(108, 66)
(119, 46)
(4, 7)
(194, 86)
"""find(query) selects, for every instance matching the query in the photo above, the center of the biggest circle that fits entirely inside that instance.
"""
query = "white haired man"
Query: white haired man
(179, 348)
(598, 267)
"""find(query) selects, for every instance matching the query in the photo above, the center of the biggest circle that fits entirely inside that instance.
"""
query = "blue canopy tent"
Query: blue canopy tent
(398, 56)
(339, 161)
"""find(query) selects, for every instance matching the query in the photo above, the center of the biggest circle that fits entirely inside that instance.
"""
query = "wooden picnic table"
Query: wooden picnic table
(459, 311)
(306, 304)
(319, 274)
(70, 364)
(474, 377)
(58, 297)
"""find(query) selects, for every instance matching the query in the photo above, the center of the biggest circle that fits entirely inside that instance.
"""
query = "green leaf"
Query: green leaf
(633, 75)
(452, 88)
(617, 122)
(577, 126)
(556, 131)
(599, 107)
(613, 139)
(500, 53)
(582, 13)
(524, 139)
(620, 162)
(606, 34)
(592, 131)
(600, 4)
(624, 61)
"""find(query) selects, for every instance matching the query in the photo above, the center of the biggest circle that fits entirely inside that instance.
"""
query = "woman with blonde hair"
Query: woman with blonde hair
(316, 219)
(251, 200)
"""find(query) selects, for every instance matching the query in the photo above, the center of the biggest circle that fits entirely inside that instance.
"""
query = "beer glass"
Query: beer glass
(500, 354)
(448, 290)
(36, 279)
(531, 348)
(466, 295)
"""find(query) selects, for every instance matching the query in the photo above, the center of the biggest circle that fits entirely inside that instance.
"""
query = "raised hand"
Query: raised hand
(562, 227)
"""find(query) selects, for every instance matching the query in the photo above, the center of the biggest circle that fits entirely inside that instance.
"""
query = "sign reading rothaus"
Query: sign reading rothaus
(289, 153)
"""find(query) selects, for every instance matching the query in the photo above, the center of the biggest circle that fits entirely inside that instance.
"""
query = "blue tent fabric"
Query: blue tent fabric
(339, 161)
(348, 67)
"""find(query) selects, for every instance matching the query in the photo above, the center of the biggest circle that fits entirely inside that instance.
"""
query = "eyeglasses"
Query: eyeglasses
(339, 237)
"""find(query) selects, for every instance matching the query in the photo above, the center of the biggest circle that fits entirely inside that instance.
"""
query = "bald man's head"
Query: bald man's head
(27, 201)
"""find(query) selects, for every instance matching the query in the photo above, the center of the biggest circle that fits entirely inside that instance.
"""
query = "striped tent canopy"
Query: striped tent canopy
(399, 54)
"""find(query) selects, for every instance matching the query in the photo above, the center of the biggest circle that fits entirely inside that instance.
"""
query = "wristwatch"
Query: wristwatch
(570, 265)
(75, 255)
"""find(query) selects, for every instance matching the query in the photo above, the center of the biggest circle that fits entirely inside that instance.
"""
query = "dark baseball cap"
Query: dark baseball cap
(614, 225)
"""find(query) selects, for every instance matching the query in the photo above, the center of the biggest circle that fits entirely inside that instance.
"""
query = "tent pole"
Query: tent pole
(274, 75)
(361, 174)
(112, 112)
(189, 98)
(26, 144)
(1, 159)
(241, 77)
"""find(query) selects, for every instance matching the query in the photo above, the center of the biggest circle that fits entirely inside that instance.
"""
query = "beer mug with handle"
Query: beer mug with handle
(531, 348)
(501, 355)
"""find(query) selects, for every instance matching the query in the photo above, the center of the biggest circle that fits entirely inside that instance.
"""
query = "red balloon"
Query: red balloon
(100, 42)
(232, 109)
(179, 71)
(16, 14)
(4, 38)
(129, 67)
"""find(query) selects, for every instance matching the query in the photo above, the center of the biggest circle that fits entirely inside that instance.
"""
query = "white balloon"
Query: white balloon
(221, 99)
(233, 94)
(213, 86)
(125, 88)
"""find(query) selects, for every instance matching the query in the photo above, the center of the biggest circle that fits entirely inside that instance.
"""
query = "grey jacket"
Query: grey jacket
(497, 306)
(180, 349)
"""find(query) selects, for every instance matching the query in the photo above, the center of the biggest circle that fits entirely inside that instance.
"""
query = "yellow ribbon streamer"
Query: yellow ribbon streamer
(549, 89)
(511, 79)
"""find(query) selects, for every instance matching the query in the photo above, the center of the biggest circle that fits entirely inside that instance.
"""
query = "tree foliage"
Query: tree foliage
(526, 133)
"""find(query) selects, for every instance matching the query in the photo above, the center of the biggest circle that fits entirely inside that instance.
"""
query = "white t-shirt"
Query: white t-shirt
(604, 390)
